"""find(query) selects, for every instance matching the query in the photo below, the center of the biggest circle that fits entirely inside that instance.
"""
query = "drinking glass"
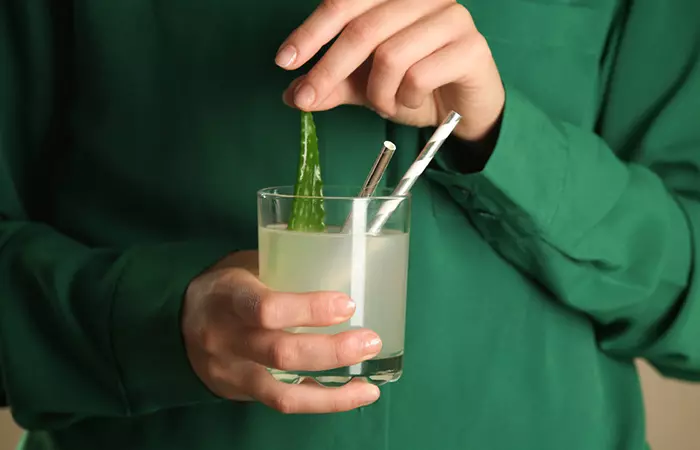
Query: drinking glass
(353, 255)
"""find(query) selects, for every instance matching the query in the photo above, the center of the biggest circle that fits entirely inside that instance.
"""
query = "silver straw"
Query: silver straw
(415, 171)
(375, 176)
(377, 172)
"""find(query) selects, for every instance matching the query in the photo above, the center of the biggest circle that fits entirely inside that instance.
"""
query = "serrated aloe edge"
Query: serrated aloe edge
(308, 214)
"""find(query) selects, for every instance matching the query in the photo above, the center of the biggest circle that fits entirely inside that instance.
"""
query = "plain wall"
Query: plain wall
(9, 433)
(673, 411)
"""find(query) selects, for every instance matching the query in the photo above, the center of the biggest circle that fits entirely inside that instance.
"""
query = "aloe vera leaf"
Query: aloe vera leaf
(308, 214)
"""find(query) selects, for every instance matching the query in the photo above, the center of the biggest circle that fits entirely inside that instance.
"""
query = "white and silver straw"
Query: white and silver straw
(415, 171)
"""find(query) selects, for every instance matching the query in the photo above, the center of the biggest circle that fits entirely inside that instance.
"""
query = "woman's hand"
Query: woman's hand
(412, 61)
(233, 328)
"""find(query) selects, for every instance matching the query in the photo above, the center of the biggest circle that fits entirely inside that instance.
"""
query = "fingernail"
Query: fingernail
(305, 95)
(372, 344)
(343, 307)
(369, 395)
(286, 56)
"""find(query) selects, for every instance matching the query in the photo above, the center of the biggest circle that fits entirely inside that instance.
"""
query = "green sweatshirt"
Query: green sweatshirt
(134, 135)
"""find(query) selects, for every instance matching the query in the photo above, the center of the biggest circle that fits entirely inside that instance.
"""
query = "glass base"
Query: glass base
(375, 371)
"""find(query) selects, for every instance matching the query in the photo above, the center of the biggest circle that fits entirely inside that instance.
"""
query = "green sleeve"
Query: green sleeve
(609, 222)
(84, 332)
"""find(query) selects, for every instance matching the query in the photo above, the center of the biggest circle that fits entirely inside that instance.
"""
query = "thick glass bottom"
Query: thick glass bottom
(375, 371)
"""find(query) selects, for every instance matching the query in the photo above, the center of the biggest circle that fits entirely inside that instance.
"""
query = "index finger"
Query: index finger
(273, 310)
(356, 44)
(326, 22)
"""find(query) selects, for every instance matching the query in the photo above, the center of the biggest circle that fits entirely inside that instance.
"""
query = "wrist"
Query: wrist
(466, 156)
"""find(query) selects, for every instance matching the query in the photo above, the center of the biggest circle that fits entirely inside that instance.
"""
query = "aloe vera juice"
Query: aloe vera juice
(313, 261)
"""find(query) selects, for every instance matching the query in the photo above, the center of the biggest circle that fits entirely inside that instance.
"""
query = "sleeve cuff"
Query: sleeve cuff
(147, 338)
(529, 180)
(528, 169)
(525, 171)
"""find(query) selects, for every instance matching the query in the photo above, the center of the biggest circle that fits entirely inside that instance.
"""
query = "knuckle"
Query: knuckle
(345, 350)
(385, 58)
(200, 333)
(283, 353)
(414, 81)
(376, 96)
(246, 300)
(480, 49)
(228, 278)
(225, 280)
(217, 373)
(265, 311)
(360, 30)
(245, 344)
(321, 76)
(209, 341)
(286, 404)
(380, 102)
(320, 310)
(335, 5)
(461, 11)
(339, 355)
(380, 98)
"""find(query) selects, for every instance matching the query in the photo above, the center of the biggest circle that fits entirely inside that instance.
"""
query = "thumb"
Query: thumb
(350, 91)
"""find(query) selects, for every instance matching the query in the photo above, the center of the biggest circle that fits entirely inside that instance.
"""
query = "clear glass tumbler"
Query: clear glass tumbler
(352, 256)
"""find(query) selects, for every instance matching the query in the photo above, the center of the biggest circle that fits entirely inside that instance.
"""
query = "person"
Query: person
(554, 240)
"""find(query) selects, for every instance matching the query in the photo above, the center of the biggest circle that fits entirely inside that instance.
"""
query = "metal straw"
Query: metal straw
(374, 177)
(380, 165)
(415, 171)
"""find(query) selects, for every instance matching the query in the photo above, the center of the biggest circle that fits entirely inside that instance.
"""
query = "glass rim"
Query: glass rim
(268, 193)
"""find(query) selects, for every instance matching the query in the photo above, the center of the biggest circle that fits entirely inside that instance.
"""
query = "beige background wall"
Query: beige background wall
(9, 434)
(673, 412)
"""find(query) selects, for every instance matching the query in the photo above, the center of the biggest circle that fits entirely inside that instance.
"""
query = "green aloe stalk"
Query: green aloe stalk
(308, 214)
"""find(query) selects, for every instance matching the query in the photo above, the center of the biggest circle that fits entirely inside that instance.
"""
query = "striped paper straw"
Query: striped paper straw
(415, 171)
